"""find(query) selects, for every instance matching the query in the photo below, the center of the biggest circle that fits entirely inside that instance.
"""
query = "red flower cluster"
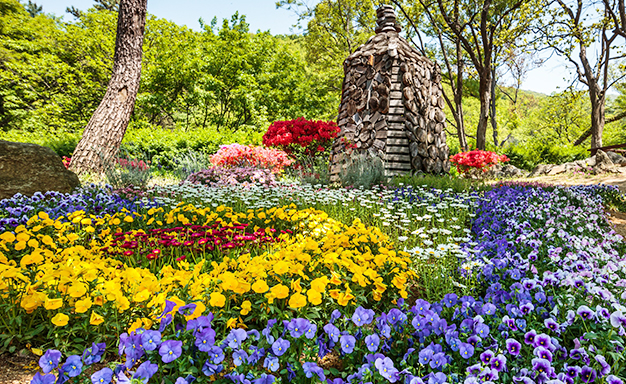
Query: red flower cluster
(178, 243)
(237, 155)
(294, 135)
(66, 162)
(476, 159)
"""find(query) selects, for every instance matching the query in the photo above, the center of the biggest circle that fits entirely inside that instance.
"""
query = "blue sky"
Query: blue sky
(263, 15)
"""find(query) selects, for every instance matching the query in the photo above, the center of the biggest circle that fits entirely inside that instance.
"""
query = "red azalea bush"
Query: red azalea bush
(237, 155)
(476, 159)
(301, 136)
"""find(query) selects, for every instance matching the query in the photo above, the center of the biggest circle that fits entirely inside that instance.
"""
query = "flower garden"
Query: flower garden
(241, 275)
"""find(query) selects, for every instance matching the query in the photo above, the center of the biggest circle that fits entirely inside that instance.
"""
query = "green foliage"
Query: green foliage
(191, 162)
(311, 171)
(364, 171)
(127, 173)
(334, 29)
(163, 146)
(229, 78)
(53, 75)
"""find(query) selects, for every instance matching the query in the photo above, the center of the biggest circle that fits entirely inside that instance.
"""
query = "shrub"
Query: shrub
(217, 176)
(364, 171)
(476, 159)
(311, 171)
(237, 155)
(191, 162)
(301, 136)
(128, 172)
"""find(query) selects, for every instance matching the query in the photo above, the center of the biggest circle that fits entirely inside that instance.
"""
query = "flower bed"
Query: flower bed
(539, 294)
(118, 266)
(93, 200)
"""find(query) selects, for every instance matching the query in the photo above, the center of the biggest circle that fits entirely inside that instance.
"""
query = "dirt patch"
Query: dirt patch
(617, 179)
(619, 222)
(16, 369)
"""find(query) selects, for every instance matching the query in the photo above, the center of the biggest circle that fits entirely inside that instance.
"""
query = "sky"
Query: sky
(263, 15)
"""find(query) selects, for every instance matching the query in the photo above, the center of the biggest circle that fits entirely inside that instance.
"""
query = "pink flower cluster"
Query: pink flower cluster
(139, 165)
(237, 155)
(233, 176)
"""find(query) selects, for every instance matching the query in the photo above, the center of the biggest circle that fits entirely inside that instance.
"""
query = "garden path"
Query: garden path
(618, 179)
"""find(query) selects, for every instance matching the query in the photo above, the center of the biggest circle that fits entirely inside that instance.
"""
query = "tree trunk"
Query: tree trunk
(494, 123)
(458, 99)
(484, 91)
(103, 134)
(597, 117)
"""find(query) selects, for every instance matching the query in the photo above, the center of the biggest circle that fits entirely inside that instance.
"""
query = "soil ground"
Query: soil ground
(618, 179)
(19, 369)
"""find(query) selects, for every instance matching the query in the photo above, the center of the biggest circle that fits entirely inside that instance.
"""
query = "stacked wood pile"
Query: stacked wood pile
(391, 106)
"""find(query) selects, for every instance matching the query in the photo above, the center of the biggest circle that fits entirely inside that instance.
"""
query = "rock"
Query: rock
(29, 168)
(541, 169)
(558, 169)
(499, 171)
(616, 158)
(604, 163)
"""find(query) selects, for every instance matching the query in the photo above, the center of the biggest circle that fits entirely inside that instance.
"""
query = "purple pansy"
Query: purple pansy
(73, 366)
(298, 327)
(372, 342)
(347, 343)
(145, 371)
(466, 350)
(311, 369)
(362, 316)
(513, 347)
(170, 350)
(103, 376)
(386, 369)
(236, 337)
(49, 360)
(280, 346)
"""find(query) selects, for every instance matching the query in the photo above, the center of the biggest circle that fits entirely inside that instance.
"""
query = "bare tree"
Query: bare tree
(572, 31)
(104, 133)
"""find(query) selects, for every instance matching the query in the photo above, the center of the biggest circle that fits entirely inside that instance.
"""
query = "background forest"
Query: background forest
(225, 83)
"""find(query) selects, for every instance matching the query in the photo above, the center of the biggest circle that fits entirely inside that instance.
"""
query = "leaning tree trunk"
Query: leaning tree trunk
(104, 133)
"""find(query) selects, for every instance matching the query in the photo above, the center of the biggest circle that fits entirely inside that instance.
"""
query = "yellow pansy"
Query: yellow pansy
(141, 296)
(314, 296)
(96, 319)
(280, 291)
(297, 300)
(260, 286)
(60, 320)
(217, 300)
(246, 306)
(52, 304)
(77, 290)
(81, 306)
